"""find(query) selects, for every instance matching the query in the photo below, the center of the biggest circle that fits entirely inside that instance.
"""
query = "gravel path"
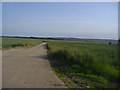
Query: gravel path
(28, 68)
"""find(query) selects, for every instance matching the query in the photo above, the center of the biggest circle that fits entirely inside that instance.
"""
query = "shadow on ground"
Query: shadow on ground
(43, 57)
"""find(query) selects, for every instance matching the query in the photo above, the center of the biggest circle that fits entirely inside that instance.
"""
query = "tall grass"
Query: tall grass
(88, 59)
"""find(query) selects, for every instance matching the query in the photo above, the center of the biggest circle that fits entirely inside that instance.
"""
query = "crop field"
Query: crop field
(86, 61)
(79, 63)
(19, 42)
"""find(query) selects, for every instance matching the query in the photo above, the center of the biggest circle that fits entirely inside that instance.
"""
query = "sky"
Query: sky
(0, 19)
(96, 20)
(119, 20)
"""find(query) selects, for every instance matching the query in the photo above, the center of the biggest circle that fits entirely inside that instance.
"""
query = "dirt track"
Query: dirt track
(28, 68)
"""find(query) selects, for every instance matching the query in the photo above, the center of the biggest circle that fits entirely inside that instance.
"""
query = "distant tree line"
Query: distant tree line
(59, 38)
(31, 37)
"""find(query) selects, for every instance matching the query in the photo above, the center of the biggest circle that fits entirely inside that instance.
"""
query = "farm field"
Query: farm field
(79, 63)
(85, 63)
(8, 42)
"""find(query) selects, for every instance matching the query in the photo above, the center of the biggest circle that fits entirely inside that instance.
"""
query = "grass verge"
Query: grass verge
(85, 64)
(8, 43)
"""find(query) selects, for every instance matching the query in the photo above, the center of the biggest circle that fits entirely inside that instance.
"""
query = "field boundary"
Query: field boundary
(18, 47)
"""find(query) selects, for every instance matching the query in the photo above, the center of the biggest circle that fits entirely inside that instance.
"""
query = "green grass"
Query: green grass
(0, 42)
(94, 60)
(63, 77)
(19, 42)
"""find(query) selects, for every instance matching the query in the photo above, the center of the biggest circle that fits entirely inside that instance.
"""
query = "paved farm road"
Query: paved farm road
(28, 68)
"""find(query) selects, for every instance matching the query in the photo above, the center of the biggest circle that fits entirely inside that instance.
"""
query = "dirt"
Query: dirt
(28, 68)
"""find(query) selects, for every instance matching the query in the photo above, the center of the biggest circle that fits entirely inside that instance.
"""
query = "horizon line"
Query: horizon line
(58, 37)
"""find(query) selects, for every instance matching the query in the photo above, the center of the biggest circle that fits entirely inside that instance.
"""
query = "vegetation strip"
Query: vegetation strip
(86, 63)
(8, 42)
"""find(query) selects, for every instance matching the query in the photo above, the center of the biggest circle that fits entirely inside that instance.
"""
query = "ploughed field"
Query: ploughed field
(85, 63)
(8, 42)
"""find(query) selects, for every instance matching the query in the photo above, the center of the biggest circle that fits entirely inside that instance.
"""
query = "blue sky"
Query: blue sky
(0, 19)
(73, 19)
